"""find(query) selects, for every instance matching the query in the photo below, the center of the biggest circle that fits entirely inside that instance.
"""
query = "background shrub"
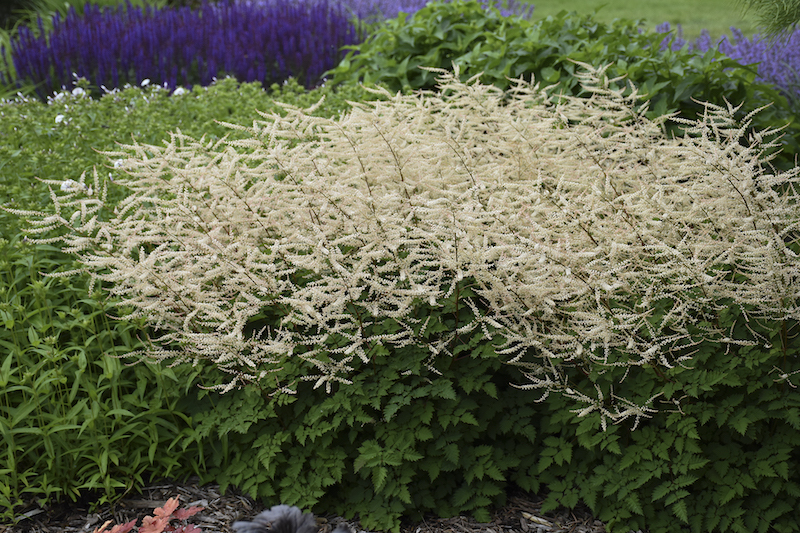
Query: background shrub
(483, 41)
(268, 43)
(777, 61)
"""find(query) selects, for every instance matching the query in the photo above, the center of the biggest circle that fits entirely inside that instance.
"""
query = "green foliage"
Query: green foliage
(73, 417)
(724, 460)
(404, 439)
(778, 17)
(480, 40)
(437, 35)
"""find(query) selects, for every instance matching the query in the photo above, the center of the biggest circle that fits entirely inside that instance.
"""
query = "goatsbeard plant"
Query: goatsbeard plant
(591, 239)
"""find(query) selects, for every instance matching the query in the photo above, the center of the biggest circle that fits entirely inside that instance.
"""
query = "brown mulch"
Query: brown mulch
(520, 515)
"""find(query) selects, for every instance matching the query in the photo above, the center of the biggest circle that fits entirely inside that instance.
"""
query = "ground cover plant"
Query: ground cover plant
(626, 273)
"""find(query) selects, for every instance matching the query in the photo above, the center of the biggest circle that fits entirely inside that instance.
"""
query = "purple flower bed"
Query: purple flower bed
(778, 63)
(252, 40)
(268, 42)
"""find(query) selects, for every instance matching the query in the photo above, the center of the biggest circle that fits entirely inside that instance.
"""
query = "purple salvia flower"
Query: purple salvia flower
(178, 46)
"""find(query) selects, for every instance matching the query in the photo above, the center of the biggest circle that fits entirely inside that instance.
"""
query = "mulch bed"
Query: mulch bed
(520, 515)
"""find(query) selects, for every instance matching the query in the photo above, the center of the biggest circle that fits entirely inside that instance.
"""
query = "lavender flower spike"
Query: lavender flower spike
(282, 519)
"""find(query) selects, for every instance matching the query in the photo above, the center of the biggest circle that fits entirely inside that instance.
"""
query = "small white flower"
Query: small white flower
(77, 91)
(59, 119)
(118, 163)
(72, 186)
(145, 82)
(179, 91)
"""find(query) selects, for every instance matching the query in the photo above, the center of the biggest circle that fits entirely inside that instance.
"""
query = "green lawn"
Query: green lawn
(717, 16)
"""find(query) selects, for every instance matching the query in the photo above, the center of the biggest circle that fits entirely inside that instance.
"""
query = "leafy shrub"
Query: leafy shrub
(178, 46)
(437, 35)
(409, 436)
(777, 62)
(481, 40)
(725, 458)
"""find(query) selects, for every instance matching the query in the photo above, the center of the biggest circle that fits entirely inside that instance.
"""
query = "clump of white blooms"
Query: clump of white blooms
(74, 186)
(592, 239)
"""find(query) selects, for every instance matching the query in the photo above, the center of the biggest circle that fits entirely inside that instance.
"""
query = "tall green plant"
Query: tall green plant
(73, 417)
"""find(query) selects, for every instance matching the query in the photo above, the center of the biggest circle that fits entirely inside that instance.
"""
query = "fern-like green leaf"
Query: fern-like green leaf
(679, 508)
(379, 476)
(452, 453)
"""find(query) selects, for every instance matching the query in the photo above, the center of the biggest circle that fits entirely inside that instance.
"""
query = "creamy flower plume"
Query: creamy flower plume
(588, 237)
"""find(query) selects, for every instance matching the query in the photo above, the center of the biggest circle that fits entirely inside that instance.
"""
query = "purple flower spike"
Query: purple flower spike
(111, 47)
